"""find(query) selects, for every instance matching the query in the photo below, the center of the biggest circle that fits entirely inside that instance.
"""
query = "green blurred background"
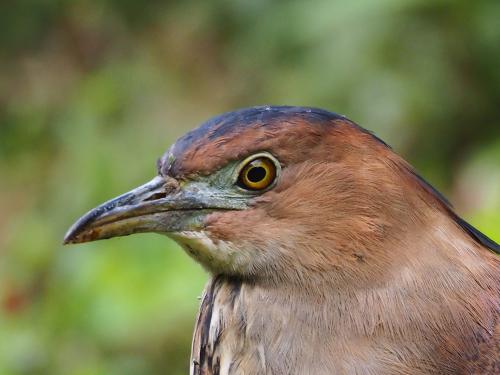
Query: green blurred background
(92, 92)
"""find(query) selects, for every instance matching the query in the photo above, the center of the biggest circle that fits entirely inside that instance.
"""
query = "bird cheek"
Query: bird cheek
(235, 226)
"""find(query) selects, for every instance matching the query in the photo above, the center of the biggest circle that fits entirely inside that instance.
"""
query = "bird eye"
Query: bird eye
(257, 174)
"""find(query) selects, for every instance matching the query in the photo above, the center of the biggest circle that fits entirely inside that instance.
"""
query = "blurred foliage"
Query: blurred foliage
(92, 92)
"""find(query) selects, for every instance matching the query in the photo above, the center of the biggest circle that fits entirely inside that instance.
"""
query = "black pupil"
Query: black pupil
(256, 174)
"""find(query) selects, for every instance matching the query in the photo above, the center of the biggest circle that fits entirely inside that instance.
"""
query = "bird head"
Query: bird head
(276, 193)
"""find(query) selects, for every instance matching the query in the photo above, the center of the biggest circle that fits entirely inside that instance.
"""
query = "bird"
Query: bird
(327, 252)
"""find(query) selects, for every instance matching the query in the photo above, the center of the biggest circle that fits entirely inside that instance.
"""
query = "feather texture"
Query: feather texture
(351, 264)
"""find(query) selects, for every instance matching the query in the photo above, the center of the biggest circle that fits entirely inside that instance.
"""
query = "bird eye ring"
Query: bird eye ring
(257, 173)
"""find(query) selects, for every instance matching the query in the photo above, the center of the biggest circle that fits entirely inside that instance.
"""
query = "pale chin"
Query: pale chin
(218, 257)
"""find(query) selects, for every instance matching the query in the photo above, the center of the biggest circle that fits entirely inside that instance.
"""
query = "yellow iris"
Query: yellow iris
(258, 174)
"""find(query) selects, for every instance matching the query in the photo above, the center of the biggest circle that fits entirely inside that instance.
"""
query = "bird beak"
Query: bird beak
(152, 207)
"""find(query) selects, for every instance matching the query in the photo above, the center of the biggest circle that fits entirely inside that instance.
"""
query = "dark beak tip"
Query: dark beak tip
(81, 230)
(76, 234)
(71, 235)
(76, 237)
(69, 238)
(73, 240)
(68, 241)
